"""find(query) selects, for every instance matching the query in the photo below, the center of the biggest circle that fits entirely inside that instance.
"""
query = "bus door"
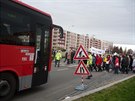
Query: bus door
(43, 38)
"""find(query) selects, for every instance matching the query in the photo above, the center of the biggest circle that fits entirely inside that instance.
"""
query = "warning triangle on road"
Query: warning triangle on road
(81, 69)
(81, 54)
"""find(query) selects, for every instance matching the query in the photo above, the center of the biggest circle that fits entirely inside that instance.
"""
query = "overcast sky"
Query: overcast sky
(111, 20)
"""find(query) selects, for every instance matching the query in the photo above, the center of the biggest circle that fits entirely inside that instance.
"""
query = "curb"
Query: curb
(98, 89)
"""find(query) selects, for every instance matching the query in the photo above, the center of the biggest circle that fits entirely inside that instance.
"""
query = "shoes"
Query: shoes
(88, 78)
(90, 75)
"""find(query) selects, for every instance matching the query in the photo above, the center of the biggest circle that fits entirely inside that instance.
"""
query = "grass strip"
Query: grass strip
(124, 91)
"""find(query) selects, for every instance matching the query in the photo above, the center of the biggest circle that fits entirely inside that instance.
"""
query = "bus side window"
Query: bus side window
(3, 30)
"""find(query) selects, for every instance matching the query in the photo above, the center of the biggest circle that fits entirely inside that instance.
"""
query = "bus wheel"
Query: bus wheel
(7, 86)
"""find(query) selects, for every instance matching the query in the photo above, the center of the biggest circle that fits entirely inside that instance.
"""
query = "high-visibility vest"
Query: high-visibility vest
(105, 59)
(89, 61)
(58, 56)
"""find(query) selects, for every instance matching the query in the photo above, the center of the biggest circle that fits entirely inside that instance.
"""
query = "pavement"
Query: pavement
(99, 81)
(68, 98)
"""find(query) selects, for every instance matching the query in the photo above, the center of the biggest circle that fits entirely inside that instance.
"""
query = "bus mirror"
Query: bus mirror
(60, 29)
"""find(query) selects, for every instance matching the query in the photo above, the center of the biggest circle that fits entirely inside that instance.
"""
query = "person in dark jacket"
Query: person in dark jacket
(130, 62)
(66, 56)
(94, 62)
(124, 64)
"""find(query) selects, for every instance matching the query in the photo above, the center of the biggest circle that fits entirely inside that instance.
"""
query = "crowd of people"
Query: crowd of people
(68, 57)
(118, 63)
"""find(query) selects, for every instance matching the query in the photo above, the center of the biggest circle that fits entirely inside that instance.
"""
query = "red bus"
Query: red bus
(25, 47)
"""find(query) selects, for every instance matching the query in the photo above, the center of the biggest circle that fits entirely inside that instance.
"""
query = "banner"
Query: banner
(97, 51)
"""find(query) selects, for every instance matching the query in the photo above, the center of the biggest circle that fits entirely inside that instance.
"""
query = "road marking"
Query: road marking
(62, 69)
(72, 65)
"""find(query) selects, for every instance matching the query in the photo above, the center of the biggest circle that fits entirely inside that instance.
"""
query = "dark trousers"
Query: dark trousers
(107, 67)
(72, 60)
(99, 68)
(68, 61)
(65, 60)
(130, 67)
(94, 66)
(57, 62)
(116, 70)
(134, 69)
(124, 70)
(89, 68)
(104, 65)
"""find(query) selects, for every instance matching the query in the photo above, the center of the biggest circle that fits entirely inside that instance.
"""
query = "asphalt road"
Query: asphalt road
(62, 83)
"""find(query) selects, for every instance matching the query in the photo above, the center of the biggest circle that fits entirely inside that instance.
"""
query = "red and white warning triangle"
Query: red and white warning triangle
(81, 54)
(81, 69)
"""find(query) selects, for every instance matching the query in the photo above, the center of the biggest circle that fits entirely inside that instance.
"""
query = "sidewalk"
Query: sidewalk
(99, 81)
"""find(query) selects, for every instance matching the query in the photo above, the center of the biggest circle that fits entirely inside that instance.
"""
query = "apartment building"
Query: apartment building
(58, 42)
(73, 41)
(87, 42)
(106, 45)
(96, 43)
(80, 40)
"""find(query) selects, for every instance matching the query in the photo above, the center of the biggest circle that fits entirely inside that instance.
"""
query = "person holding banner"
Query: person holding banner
(89, 64)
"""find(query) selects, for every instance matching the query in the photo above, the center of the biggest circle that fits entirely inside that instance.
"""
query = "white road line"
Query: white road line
(62, 69)
(72, 65)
